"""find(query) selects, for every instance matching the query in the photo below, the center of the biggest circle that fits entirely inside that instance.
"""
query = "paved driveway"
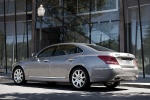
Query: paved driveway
(43, 91)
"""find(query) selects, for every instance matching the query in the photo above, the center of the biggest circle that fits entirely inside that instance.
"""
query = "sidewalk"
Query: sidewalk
(140, 82)
(5, 75)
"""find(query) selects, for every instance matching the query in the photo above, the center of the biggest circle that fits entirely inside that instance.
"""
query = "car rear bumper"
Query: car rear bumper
(116, 74)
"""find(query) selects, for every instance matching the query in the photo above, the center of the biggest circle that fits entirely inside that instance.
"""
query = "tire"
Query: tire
(19, 76)
(112, 85)
(79, 78)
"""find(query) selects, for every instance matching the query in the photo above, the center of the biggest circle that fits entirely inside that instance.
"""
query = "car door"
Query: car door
(63, 60)
(39, 68)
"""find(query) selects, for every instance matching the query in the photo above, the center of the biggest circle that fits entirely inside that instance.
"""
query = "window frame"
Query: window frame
(68, 53)
(53, 53)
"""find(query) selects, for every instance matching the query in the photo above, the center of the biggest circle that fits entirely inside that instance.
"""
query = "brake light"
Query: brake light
(135, 62)
(109, 60)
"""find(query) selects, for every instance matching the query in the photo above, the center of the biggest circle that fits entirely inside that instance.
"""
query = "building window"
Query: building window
(103, 5)
(106, 34)
(134, 33)
(2, 43)
(10, 5)
(97, 6)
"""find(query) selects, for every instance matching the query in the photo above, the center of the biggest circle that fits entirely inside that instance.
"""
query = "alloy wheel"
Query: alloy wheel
(78, 78)
(18, 76)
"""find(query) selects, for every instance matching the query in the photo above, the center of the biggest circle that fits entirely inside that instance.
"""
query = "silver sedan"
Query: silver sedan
(78, 63)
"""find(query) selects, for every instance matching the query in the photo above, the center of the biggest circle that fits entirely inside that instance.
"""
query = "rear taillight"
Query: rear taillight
(109, 60)
(135, 62)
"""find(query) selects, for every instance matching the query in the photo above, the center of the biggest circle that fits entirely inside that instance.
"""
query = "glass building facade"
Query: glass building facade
(15, 31)
(137, 28)
(121, 25)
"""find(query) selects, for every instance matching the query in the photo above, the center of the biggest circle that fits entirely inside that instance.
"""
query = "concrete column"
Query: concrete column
(121, 26)
(33, 40)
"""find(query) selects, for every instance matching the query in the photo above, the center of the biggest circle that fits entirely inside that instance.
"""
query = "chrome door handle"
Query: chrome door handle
(71, 60)
(46, 60)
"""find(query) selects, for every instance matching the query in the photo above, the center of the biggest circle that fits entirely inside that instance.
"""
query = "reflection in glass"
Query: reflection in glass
(2, 39)
(10, 6)
(10, 40)
(2, 7)
(106, 34)
(83, 6)
(2, 42)
(106, 4)
(22, 40)
(145, 17)
(96, 5)
(29, 5)
(21, 6)
(133, 31)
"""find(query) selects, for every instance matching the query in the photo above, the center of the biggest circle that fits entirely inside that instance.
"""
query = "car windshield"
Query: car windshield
(100, 48)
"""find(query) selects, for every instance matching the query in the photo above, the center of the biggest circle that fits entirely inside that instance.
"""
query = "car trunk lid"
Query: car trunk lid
(126, 60)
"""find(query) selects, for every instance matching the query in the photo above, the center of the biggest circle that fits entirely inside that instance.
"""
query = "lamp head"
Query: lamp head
(41, 11)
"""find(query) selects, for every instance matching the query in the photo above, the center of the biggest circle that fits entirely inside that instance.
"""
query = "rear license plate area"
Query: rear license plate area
(127, 61)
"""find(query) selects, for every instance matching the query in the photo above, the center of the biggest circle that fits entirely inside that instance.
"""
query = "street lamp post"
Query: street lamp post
(90, 31)
(41, 12)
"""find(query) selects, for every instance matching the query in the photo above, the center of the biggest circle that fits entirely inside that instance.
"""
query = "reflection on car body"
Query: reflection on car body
(78, 63)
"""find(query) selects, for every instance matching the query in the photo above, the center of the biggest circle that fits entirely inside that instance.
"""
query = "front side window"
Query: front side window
(47, 52)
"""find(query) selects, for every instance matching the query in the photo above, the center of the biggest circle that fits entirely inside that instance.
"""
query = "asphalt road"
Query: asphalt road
(43, 91)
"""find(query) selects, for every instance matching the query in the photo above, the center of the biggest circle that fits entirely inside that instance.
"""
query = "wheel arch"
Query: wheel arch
(17, 66)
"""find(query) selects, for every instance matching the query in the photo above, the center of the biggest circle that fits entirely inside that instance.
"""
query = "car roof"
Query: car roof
(83, 46)
(70, 43)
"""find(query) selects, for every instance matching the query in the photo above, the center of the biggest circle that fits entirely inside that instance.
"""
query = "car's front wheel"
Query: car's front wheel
(112, 85)
(18, 76)
(79, 78)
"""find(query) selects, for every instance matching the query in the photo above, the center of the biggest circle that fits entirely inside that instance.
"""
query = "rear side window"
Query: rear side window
(100, 48)
(67, 49)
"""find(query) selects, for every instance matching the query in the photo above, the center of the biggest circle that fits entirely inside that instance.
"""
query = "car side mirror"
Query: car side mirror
(33, 54)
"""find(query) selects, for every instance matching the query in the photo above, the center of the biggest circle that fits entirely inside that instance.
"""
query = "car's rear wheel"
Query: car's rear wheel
(112, 85)
(79, 78)
(19, 76)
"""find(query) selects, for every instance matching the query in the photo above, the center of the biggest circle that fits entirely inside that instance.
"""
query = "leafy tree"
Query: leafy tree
(69, 14)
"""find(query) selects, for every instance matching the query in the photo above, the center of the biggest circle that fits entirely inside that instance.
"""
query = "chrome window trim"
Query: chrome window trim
(67, 54)
(47, 77)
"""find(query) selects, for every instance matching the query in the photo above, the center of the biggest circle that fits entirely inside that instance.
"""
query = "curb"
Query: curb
(137, 85)
(4, 76)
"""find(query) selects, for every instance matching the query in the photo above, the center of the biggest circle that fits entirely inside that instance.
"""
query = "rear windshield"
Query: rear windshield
(99, 48)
